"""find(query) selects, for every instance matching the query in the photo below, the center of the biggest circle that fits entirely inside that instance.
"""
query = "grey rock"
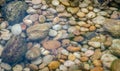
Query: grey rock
(47, 59)
(14, 11)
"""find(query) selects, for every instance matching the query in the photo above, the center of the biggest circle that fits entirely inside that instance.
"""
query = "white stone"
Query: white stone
(77, 54)
(5, 66)
(91, 15)
(16, 29)
(55, 2)
(68, 63)
(46, 52)
(63, 68)
(17, 68)
(26, 69)
(52, 33)
(107, 59)
(37, 61)
(65, 52)
(98, 20)
(36, 1)
(94, 44)
(57, 27)
(89, 53)
(47, 59)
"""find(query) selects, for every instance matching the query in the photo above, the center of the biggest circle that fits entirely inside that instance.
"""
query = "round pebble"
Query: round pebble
(16, 29)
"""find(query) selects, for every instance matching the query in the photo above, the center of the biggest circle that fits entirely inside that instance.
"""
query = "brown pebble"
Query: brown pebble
(73, 48)
(97, 54)
(33, 67)
(61, 56)
(71, 57)
(65, 42)
(97, 63)
(92, 28)
(97, 69)
(84, 59)
(78, 38)
(54, 65)
(51, 44)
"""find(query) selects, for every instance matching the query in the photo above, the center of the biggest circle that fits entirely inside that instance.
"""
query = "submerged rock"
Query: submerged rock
(14, 50)
(115, 65)
(112, 26)
(14, 11)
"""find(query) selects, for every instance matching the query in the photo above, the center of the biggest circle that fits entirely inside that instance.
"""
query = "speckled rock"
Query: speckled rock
(112, 26)
(99, 20)
(5, 66)
(107, 59)
(15, 11)
(115, 47)
(115, 65)
(68, 63)
(17, 68)
(14, 50)
(37, 31)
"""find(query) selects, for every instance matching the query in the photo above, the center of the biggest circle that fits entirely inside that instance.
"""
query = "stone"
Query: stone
(5, 34)
(97, 55)
(53, 33)
(55, 2)
(73, 68)
(117, 1)
(38, 31)
(63, 68)
(73, 49)
(73, 10)
(57, 27)
(1, 49)
(54, 65)
(5, 66)
(84, 59)
(97, 69)
(17, 68)
(71, 57)
(15, 11)
(45, 69)
(91, 15)
(81, 14)
(34, 17)
(37, 61)
(26, 69)
(65, 2)
(65, 52)
(115, 65)
(65, 42)
(47, 59)
(77, 54)
(16, 29)
(94, 44)
(97, 63)
(107, 59)
(60, 8)
(14, 50)
(74, 3)
(36, 1)
(51, 44)
(115, 47)
(33, 53)
(33, 67)
(89, 53)
(42, 19)
(98, 20)
(68, 63)
(112, 26)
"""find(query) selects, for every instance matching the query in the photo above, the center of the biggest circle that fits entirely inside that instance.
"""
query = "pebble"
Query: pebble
(55, 2)
(97, 54)
(36, 1)
(26, 69)
(51, 44)
(65, 42)
(63, 68)
(77, 54)
(97, 69)
(5, 66)
(57, 27)
(65, 2)
(68, 63)
(84, 59)
(86, 66)
(46, 52)
(94, 44)
(16, 29)
(71, 57)
(4, 24)
(1, 49)
(91, 15)
(17, 68)
(27, 22)
(33, 67)
(83, 5)
(73, 49)
(54, 65)
(37, 61)
(47, 59)
(60, 8)
(115, 65)
(42, 19)
(92, 28)
(34, 17)
(97, 63)
(107, 59)
(65, 52)
(33, 53)
(99, 20)
(81, 14)
(89, 53)
(73, 10)
(30, 10)
(5, 34)
(85, 10)
(53, 33)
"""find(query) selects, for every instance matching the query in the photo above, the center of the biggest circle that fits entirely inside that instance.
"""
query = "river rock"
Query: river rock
(115, 65)
(38, 31)
(15, 11)
(112, 26)
(16, 29)
(14, 50)
(115, 47)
